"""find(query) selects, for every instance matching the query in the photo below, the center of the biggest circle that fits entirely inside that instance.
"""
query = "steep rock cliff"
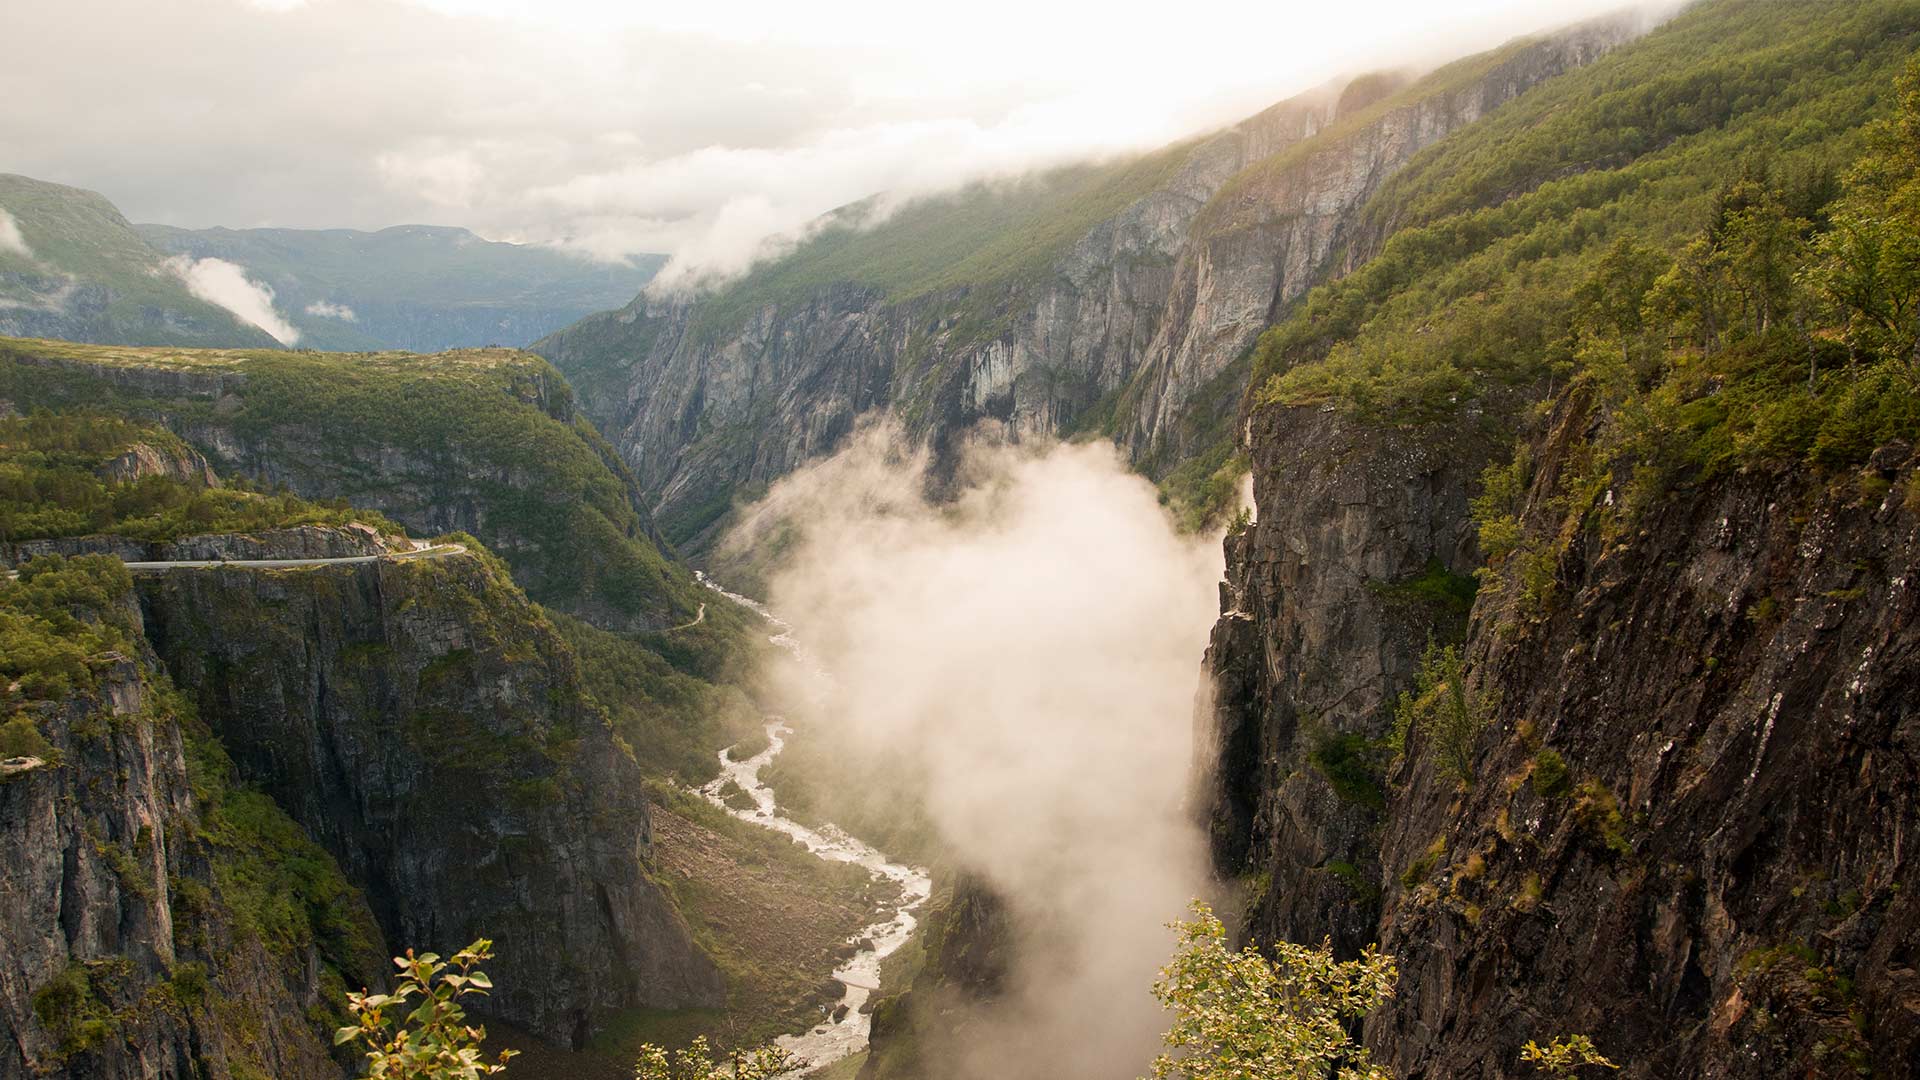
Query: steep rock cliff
(1354, 561)
(1686, 829)
(443, 777)
(1684, 832)
(142, 932)
(1128, 327)
(429, 729)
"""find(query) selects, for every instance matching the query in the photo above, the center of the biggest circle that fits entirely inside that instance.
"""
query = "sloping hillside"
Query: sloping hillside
(1104, 298)
(422, 288)
(82, 273)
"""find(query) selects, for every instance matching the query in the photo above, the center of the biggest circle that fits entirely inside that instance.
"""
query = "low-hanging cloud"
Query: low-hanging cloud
(327, 309)
(10, 238)
(226, 284)
(1032, 647)
(610, 129)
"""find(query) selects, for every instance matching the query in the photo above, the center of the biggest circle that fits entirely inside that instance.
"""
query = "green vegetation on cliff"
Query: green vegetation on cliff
(88, 275)
(56, 617)
(483, 440)
(675, 704)
(1501, 235)
(58, 479)
(986, 239)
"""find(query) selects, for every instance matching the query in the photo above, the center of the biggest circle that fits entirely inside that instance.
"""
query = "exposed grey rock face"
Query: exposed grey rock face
(182, 463)
(1317, 635)
(429, 729)
(1718, 887)
(110, 900)
(1127, 331)
(299, 542)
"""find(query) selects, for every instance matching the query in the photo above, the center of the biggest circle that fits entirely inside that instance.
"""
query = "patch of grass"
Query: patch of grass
(1446, 592)
(1550, 777)
(1422, 867)
(1362, 887)
(1598, 813)
(1349, 765)
(74, 1005)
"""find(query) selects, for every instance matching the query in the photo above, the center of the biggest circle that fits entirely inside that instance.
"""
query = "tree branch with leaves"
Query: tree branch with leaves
(433, 1041)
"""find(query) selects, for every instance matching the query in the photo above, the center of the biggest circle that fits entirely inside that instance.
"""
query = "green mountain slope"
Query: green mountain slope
(418, 287)
(485, 441)
(87, 275)
(1485, 242)
(986, 240)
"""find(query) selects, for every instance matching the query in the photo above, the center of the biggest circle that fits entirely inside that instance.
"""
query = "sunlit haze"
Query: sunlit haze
(617, 128)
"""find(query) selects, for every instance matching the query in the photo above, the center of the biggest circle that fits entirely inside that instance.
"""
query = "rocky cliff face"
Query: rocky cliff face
(131, 937)
(293, 774)
(1130, 330)
(1332, 593)
(298, 542)
(1685, 830)
(428, 728)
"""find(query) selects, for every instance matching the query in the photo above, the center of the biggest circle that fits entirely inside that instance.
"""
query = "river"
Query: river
(832, 1039)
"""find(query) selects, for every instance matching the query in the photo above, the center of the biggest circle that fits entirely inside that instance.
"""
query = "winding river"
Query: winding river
(846, 1033)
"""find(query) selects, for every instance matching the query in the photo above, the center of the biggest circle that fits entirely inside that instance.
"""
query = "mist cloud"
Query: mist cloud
(610, 129)
(10, 238)
(326, 309)
(226, 284)
(1033, 648)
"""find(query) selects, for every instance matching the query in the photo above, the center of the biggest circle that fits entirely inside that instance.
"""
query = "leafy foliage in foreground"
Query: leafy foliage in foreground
(696, 1062)
(1243, 1016)
(1565, 1056)
(434, 1040)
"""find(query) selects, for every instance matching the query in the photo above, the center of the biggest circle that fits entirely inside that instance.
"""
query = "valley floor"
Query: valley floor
(774, 917)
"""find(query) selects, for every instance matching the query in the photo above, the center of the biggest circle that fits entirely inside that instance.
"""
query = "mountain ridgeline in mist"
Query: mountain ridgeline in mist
(1117, 299)
(72, 267)
(421, 288)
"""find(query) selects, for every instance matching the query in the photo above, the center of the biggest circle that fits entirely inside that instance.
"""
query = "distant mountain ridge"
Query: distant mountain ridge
(73, 267)
(417, 287)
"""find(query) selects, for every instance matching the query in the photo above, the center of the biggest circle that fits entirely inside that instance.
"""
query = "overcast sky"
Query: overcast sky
(635, 125)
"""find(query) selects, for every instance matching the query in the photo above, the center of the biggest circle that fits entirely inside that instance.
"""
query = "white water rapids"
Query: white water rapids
(832, 1039)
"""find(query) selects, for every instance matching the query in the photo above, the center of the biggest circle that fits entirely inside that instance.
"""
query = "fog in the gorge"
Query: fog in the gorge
(1031, 647)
